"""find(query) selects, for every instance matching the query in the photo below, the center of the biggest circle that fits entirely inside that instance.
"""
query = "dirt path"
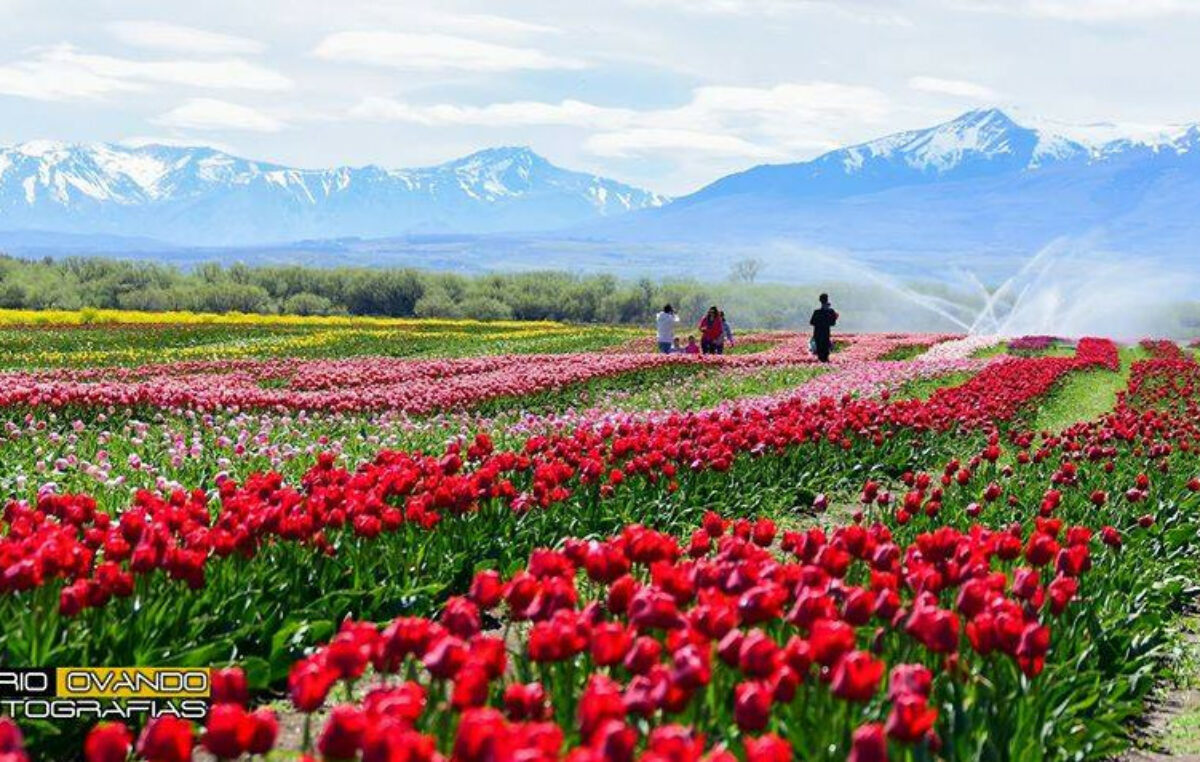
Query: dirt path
(1172, 725)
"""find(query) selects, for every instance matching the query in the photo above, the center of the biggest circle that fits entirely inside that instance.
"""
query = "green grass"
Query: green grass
(1057, 350)
(588, 393)
(922, 389)
(36, 347)
(710, 387)
(906, 352)
(677, 387)
(1182, 737)
(1178, 734)
(1084, 395)
(748, 347)
(995, 350)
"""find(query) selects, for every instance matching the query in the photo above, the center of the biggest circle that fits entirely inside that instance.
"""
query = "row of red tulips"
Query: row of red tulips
(65, 537)
(847, 642)
(684, 649)
(177, 535)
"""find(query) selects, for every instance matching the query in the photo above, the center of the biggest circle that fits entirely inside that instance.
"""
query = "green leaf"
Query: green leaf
(258, 672)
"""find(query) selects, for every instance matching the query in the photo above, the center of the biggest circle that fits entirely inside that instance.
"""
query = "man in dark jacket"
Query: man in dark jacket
(823, 319)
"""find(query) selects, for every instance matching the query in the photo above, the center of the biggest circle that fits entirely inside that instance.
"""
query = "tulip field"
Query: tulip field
(489, 542)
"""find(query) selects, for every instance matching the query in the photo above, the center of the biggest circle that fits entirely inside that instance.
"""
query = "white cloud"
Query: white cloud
(711, 106)
(479, 24)
(863, 11)
(1109, 10)
(217, 74)
(956, 87)
(516, 113)
(63, 72)
(757, 122)
(717, 6)
(213, 114)
(640, 141)
(49, 78)
(792, 102)
(1099, 11)
(159, 35)
(430, 51)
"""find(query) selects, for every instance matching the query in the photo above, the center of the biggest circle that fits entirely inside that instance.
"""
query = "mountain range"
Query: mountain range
(981, 192)
(975, 146)
(196, 196)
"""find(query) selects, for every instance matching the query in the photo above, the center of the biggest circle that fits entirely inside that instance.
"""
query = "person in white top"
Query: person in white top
(665, 322)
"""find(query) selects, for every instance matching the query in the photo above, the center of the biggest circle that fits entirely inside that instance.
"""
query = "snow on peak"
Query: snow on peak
(987, 132)
(39, 148)
(496, 172)
(992, 135)
(1100, 138)
(980, 133)
(64, 185)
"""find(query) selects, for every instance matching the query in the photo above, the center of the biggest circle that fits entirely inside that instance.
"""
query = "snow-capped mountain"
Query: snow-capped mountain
(979, 192)
(201, 196)
(978, 144)
(982, 192)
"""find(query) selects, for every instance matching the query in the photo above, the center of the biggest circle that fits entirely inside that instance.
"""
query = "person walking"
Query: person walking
(665, 323)
(823, 319)
(726, 334)
(712, 330)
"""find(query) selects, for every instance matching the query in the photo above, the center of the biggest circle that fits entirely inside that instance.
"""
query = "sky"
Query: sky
(665, 94)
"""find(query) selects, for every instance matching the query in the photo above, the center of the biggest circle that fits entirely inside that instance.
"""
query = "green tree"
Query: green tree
(483, 307)
(305, 303)
(437, 303)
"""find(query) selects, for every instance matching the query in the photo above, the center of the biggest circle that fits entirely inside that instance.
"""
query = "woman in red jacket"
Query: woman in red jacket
(712, 331)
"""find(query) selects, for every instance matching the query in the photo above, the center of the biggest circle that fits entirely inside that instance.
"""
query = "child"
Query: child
(692, 347)
(677, 348)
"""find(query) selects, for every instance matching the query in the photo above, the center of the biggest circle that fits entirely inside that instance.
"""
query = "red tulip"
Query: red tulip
(343, 733)
(1060, 592)
(482, 735)
(226, 731)
(166, 739)
(229, 686)
(486, 589)
(308, 684)
(768, 748)
(757, 656)
(1110, 536)
(610, 642)
(910, 719)
(526, 702)
(12, 743)
(752, 706)
(936, 628)
(856, 677)
(108, 742)
(910, 678)
(868, 744)
(261, 731)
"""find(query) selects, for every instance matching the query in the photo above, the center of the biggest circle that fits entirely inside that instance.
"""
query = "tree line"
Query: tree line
(78, 282)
